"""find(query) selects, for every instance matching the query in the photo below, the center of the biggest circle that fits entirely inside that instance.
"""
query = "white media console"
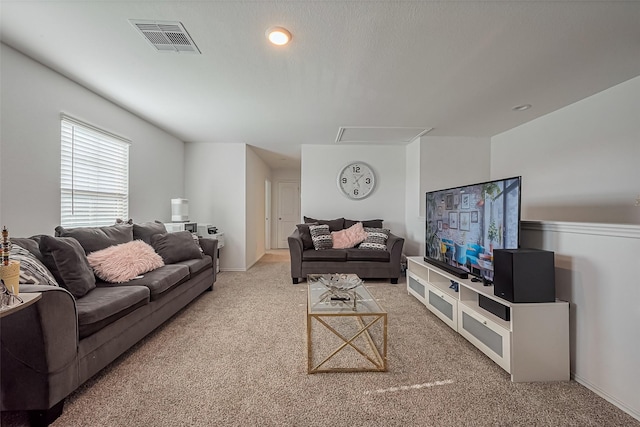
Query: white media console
(532, 346)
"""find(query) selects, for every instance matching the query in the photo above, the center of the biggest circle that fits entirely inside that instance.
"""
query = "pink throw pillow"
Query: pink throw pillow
(123, 262)
(348, 238)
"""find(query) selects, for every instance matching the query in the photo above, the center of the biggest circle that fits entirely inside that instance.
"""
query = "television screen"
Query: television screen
(465, 224)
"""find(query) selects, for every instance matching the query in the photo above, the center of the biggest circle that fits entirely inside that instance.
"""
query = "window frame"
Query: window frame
(94, 175)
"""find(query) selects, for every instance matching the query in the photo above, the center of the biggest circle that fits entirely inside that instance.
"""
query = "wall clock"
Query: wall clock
(356, 180)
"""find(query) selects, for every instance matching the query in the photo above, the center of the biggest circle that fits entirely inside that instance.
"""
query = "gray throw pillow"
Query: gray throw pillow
(32, 244)
(175, 247)
(97, 238)
(321, 237)
(145, 230)
(66, 260)
(305, 235)
(372, 223)
(334, 224)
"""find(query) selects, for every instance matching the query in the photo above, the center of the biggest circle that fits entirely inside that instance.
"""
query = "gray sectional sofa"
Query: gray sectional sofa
(383, 263)
(53, 346)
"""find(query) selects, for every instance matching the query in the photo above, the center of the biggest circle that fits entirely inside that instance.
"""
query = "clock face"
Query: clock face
(356, 180)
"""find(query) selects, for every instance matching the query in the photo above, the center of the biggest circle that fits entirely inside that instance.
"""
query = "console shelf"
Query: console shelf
(532, 346)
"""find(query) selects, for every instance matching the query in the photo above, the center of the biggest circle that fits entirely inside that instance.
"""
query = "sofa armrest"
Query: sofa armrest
(39, 352)
(295, 251)
(210, 247)
(395, 245)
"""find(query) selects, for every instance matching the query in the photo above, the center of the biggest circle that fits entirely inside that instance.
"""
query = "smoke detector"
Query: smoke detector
(166, 36)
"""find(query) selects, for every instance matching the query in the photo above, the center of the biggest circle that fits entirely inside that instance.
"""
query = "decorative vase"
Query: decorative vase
(10, 274)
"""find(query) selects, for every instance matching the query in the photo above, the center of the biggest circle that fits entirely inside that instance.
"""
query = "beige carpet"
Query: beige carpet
(237, 357)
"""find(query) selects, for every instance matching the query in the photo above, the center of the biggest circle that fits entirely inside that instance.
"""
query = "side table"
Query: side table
(220, 237)
(27, 300)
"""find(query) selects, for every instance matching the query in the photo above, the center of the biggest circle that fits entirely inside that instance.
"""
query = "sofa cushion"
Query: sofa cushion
(95, 238)
(321, 237)
(372, 223)
(159, 281)
(32, 271)
(197, 265)
(305, 235)
(376, 239)
(334, 224)
(349, 237)
(145, 230)
(325, 255)
(176, 247)
(123, 262)
(103, 306)
(66, 260)
(375, 255)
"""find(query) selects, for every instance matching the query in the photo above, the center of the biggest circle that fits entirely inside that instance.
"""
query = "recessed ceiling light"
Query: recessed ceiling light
(521, 107)
(278, 35)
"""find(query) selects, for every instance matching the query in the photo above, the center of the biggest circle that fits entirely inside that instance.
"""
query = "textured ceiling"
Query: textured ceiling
(455, 66)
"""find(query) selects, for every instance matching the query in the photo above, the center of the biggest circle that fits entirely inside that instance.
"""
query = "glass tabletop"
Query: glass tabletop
(339, 294)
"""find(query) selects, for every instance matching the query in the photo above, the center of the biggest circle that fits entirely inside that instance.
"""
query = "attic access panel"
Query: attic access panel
(379, 135)
(166, 36)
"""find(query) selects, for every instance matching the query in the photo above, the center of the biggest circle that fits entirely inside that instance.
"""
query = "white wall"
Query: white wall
(215, 182)
(257, 173)
(33, 97)
(580, 163)
(594, 273)
(322, 199)
(435, 163)
(414, 220)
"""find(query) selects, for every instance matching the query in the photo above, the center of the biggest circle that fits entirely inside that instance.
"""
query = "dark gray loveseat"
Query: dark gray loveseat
(53, 346)
(366, 263)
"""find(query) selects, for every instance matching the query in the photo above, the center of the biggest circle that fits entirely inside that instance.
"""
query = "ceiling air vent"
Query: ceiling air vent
(166, 36)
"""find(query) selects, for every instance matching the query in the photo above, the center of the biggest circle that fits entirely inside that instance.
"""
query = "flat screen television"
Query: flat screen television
(465, 224)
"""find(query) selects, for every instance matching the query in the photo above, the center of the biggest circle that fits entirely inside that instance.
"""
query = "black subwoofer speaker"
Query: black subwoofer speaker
(524, 275)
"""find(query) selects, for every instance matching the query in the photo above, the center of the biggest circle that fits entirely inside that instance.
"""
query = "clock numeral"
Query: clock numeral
(355, 192)
(367, 181)
(356, 169)
(344, 180)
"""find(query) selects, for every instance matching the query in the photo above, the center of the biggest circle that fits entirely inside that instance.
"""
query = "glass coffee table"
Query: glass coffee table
(346, 327)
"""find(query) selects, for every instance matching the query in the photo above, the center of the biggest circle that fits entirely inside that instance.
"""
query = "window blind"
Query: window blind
(94, 183)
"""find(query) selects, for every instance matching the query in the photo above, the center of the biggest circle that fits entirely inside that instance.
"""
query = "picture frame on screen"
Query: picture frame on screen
(465, 220)
(453, 220)
(465, 201)
(449, 201)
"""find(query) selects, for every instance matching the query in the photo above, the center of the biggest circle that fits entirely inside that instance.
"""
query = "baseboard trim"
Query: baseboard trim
(606, 396)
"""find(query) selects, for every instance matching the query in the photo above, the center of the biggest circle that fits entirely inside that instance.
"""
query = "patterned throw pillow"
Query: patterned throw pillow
(32, 271)
(376, 239)
(321, 237)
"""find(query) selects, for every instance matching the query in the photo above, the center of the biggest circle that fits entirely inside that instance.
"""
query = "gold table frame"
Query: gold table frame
(365, 307)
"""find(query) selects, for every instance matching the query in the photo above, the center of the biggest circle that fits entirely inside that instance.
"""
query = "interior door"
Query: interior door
(288, 210)
(267, 214)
